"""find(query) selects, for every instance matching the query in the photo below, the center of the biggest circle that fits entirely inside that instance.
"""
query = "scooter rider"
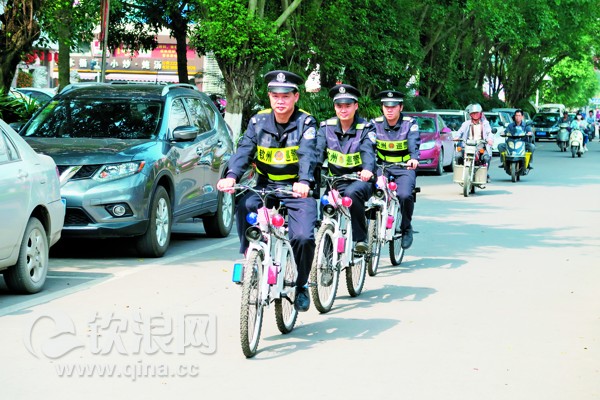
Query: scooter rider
(477, 128)
(398, 140)
(580, 124)
(281, 141)
(347, 142)
(516, 128)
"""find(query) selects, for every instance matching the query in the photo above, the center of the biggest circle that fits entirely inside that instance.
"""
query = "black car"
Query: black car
(134, 158)
(545, 125)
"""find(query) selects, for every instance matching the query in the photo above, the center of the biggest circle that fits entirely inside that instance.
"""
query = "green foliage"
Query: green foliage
(573, 83)
(16, 110)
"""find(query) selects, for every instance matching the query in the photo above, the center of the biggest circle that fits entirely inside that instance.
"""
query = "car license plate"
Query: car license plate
(541, 133)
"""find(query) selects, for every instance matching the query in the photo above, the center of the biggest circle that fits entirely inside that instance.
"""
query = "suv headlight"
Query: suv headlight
(111, 172)
(427, 145)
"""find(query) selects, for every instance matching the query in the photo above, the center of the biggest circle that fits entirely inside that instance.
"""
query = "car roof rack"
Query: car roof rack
(178, 85)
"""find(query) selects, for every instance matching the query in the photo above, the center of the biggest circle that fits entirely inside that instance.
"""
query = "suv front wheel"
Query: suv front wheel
(219, 225)
(155, 241)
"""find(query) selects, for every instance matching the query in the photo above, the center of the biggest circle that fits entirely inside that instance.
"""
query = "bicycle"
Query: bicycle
(269, 272)
(384, 215)
(334, 251)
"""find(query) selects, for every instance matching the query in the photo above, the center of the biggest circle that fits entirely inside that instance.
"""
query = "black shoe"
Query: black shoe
(302, 301)
(530, 166)
(361, 247)
(407, 238)
(501, 166)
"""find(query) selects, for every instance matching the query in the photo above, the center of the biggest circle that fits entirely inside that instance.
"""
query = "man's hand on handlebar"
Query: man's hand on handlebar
(301, 189)
(365, 175)
(226, 185)
(412, 164)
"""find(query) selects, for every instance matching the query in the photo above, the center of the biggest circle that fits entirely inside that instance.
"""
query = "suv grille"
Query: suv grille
(85, 172)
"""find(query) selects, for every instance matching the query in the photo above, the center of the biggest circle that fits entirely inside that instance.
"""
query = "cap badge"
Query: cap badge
(390, 94)
(280, 77)
(342, 90)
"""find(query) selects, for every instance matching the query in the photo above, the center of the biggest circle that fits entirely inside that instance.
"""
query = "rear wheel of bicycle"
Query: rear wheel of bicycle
(324, 275)
(285, 312)
(252, 309)
(396, 250)
(374, 245)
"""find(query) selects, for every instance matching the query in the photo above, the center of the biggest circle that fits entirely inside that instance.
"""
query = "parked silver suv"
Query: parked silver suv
(134, 158)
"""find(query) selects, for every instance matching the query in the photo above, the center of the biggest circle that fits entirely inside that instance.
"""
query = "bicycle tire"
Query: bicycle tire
(356, 274)
(251, 321)
(324, 275)
(396, 250)
(285, 312)
(374, 245)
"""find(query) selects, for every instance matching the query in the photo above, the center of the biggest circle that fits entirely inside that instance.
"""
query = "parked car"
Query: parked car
(545, 125)
(31, 211)
(42, 95)
(499, 121)
(135, 158)
(437, 145)
(452, 118)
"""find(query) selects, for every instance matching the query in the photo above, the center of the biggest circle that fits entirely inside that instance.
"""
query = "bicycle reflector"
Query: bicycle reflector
(346, 201)
(393, 186)
(253, 233)
(379, 193)
(251, 218)
(324, 200)
(277, 220)
(458, 148)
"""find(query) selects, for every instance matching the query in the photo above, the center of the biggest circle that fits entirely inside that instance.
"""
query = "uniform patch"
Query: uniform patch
(309, 133)
(373, 137)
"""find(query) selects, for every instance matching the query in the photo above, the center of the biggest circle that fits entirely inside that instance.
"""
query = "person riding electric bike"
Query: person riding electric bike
(519, 125)
(477, 128)
(581, 124)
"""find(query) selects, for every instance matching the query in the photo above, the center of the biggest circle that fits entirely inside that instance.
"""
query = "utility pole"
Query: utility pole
(104, 37)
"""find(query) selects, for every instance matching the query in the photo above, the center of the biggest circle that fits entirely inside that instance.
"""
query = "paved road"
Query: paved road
(497, 299)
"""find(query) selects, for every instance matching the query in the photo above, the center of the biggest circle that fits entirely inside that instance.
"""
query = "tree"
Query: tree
(573, 83)
(242, 36)
(19, 29)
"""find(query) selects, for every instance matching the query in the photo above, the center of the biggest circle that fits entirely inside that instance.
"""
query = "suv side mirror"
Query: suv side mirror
(185, 133)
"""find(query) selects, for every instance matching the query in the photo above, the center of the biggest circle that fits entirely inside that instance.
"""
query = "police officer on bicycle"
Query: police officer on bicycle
(347, 143)
(398, 140)
(281, 142)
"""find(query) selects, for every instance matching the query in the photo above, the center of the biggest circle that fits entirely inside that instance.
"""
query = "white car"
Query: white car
(452, 118)
(31, 210)
(500, 121)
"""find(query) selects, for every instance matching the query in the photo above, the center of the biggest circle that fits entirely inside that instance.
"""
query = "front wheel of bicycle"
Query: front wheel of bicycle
(285, 312)
(396, 250)
(356, 272)
(252, 308)
(324, 275)
(374, 245)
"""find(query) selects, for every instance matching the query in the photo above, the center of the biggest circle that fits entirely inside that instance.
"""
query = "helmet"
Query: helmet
(474, 108)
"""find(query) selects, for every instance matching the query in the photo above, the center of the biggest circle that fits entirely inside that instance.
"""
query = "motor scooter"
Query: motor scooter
(473, 172)
(562, 138)
(576, 143)
(516, 157)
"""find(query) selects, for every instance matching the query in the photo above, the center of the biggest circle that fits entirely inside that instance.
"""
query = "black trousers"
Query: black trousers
(406, 181)
(359, 192)
(302, 217)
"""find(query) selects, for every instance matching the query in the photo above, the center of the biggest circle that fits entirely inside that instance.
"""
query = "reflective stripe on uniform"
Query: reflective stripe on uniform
(343, 160)
(277, 156)
(277, 177)
(392, 158)
(396, 145)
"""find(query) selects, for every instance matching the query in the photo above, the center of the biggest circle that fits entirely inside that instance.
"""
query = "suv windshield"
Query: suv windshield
(452, 120)
(493, 119)
(98, 119)
(548, 119)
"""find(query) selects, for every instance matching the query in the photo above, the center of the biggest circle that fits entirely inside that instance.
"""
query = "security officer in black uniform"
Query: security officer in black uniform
(281, 141)
(398, 140)
(347, 142)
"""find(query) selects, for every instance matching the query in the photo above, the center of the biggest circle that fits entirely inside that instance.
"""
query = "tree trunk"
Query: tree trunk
(64, 53)
(179, 32)
(18, 30)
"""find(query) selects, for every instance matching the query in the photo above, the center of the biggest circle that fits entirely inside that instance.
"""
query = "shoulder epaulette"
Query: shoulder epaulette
(407, 118)
(304, 111)
(360, 126)
(323, 123)
(265, 111)
(332, 121)
(379, 119)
